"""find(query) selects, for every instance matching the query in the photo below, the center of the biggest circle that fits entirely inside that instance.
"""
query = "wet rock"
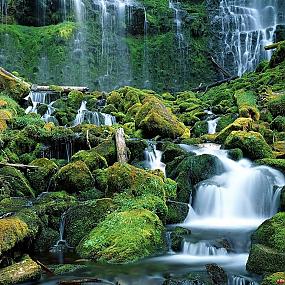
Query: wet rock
(217, 274)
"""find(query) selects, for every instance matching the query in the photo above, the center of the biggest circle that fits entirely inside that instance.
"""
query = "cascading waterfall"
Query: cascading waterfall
(212, 125)
(145, 54)
(95, 118)
(228, 206)
(3, 11)
(153, 158)
(114, 55)
(245, 31)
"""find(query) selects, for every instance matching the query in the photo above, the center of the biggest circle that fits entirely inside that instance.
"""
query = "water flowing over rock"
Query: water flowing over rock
(153, 158)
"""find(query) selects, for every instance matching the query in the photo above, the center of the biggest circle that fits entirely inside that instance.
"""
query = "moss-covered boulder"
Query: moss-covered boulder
(91, 158)
(278, 56)
(74, 178)
(82, 218)
(200, 128)
(278, 124)
(155, 119)
(45, 240)
(40, 178)
(192, 170)
(268, 250)
(124, 237)
(276, 105)
(171, 151)
(107, 149)
(24, 271)
(252, 144)
(15, 183)
(272, 279)
(278, 164)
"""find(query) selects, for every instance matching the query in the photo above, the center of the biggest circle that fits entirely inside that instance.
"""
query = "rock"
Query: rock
(251, 143)
(155, 119)
(276, 105)
(46, 239)
(171, 151)
(15, 183)
(82, 218)
(278, 164)
(107, 149)
(235, 154)
(217, 274)
(124, 237)
(268, 246)
(40, 178)
(278, 56)
(273, 279)
(278, 124)
(177, 212)
(24, 271)
(177, 237)
(200, 128)
(136, 148)
(92, 159)
(75, 177)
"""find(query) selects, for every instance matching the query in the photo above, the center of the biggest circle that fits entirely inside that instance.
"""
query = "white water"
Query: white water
(95, 118)
(114, 15)
(212, 125)
(248, 26)
(228, 206)
(153, 158)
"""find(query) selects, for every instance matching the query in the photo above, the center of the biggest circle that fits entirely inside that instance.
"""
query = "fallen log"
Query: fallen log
(122, 150)
(226, 73)
(274, 46)
(82, 281)
(217, 83)
(65, 89)
(18, 165)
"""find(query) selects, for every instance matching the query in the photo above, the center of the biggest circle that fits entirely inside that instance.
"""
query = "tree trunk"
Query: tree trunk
(122, 150)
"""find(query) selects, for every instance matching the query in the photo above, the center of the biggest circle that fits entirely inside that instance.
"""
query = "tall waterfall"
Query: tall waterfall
(3, 10)
(114, 55)
(246, 27)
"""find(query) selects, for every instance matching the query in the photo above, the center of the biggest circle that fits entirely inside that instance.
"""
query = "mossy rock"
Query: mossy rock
(246, 101)
(252, 144)
(84, 217)
(267, 252)
(46, 238)
(24, 271)
(200, 128)
(107, 149)
(273, 278)
(192, 170)
(155, 119)
(74, 178)
(278, 56)
(91, 158)
(225, 121)
(235, 154)
(171, 151)
(62, 269)
(40, 178)
(278, 124)
(15, 182)
(264, 259)
(136, 148)
(276, 105)
(177, 236)
(177, 212)
(240, 124)
(124, 237)
(278, 164)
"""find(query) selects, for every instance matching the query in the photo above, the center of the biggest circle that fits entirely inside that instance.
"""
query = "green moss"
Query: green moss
(40, 178)
(74, 178)
(107, 149)
(92, 159)
(251, 143)
(16, 182)
(278, 56)
(82, 218)
(124, 237)
(171, 151)
(200, 128)
(278, 124)
(275, 163)
(276, 105)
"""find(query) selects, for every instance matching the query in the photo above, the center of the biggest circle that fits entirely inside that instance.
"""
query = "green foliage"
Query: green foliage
(272, 279)
(124, 237)
(276, 105)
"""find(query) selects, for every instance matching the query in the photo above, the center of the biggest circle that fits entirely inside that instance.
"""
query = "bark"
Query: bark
(122, 150)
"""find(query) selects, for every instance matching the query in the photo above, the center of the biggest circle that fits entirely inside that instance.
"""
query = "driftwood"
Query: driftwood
(17, 165)
(226, 73)
(273, 46)
(122, 150)
(217, 83)
(65, 89)
(81, 281)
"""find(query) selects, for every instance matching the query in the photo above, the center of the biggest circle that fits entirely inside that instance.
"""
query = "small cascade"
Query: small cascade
(95, 118)
(115, 16)
(37, 98)
(61, 244)
(47, 117)
(212, 125)
(153, 158)
(202, 248)
(169, 242)
(245, 31)
(241, 280)
(3, 11)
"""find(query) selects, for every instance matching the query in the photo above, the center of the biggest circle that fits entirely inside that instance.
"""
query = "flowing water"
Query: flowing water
(246, 27)
(153, 158)
(212, 125)
(95, 118)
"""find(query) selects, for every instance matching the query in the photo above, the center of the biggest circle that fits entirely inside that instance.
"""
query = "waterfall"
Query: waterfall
(145, 54)
(153, 158)
(3, 11)
(95, 118)
(212, 125)
(241, 280)
(202, 249)
(37, 98)
(114, 56)
(246, 30)
(47, 117)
